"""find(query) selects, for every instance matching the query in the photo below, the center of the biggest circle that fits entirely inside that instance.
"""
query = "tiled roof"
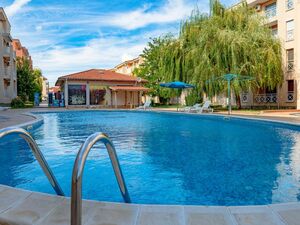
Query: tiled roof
(99, 75)
(128, 88)
(54, 89)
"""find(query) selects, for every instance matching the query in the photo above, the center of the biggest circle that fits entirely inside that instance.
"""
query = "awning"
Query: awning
(128, 88)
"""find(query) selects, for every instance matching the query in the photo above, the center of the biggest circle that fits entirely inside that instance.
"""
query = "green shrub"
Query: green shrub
(17, 103)
(192, 98)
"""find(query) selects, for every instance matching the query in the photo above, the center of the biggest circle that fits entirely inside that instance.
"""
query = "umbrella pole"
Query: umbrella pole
(177, 100)
(229, 98)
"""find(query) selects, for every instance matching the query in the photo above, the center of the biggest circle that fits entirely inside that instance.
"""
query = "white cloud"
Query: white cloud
(15, 7)
(97, 53)
(173, 10)
(126, 57)
(61, 41)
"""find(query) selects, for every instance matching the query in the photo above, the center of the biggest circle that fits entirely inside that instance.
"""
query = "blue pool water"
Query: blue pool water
(166, 158)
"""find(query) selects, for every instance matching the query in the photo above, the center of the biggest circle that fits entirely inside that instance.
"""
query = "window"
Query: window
(289, 4)
(97, 94)
(290, 85)
(77, 94)
(290, 59)
(275, 32)
(290, 93)
(290, 30)
(6, 85)
(271, 10)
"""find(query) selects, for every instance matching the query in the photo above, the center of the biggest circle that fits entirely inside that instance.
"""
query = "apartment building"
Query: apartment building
(8, 74)
(128, 66)
(283, 19)
(21, 51)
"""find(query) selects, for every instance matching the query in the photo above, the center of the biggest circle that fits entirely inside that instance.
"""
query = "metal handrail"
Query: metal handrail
(37, 153)
(76, 194)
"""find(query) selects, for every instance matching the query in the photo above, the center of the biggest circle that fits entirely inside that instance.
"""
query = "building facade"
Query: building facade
(101, 88)
(283, 18)
(21, 51)
(45, 88)
(8, 74)
(128, 66)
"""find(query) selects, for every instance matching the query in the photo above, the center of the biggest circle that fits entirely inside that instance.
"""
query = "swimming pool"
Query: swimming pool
(166, 158)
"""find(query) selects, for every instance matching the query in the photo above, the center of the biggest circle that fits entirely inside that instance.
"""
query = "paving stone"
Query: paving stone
(290, 212)
(10, 197)
(201, 215)
(160, 215)
(255, 215)
(61, 214)
(114, 214)
(31, 209)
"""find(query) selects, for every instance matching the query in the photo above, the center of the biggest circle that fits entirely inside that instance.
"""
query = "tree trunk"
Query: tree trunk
(238, 101)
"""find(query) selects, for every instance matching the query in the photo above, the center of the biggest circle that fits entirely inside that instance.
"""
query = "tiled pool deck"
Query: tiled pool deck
(20, 207)
(25, 207)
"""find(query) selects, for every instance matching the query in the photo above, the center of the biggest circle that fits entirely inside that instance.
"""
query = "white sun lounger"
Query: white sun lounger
(200, 109)
(189, 108)
(147, 105)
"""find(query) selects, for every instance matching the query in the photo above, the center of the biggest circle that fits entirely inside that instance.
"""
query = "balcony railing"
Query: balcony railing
(6, 51)
(289, 4)
(271, 11)
(275, 33)
(290, 35)
(6, 71)
(290, 96)
(290, 65)
(245, 97)
(266, 98)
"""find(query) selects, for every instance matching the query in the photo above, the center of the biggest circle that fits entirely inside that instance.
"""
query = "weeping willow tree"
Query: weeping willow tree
(230, 41)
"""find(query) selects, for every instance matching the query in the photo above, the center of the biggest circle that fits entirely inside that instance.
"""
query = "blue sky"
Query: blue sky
(65, 36)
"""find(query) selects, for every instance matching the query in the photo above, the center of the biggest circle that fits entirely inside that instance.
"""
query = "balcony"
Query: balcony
(255, 2)
(290, 66)
(6, 51)
(6, 71)
(290, 96)
(265, 98)
(289, 4)
(271, 13)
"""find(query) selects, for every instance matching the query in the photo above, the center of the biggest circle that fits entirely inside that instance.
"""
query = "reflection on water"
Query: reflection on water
(166, 158)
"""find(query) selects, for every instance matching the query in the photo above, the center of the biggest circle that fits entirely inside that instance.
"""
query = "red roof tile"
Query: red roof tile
(128, 88)
(99, 75)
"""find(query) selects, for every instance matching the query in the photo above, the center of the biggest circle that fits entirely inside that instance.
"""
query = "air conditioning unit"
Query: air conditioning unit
(258, 7)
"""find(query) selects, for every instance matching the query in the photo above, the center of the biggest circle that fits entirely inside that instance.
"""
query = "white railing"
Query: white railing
(266, 98)
(290, 35)
(290, 65)
(290, 96)
(275, 33)
(245, 97)
(6, 71)
(289, 4)
(6, 51)
(271, 11)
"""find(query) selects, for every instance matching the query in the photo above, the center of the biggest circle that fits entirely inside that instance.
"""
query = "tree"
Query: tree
(38, 80)
(229, 41)
(28, 80)
(153, 67)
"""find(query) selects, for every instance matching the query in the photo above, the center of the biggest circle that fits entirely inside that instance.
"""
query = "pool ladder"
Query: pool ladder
(76, 195)
(37, 154)
(76, 184)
